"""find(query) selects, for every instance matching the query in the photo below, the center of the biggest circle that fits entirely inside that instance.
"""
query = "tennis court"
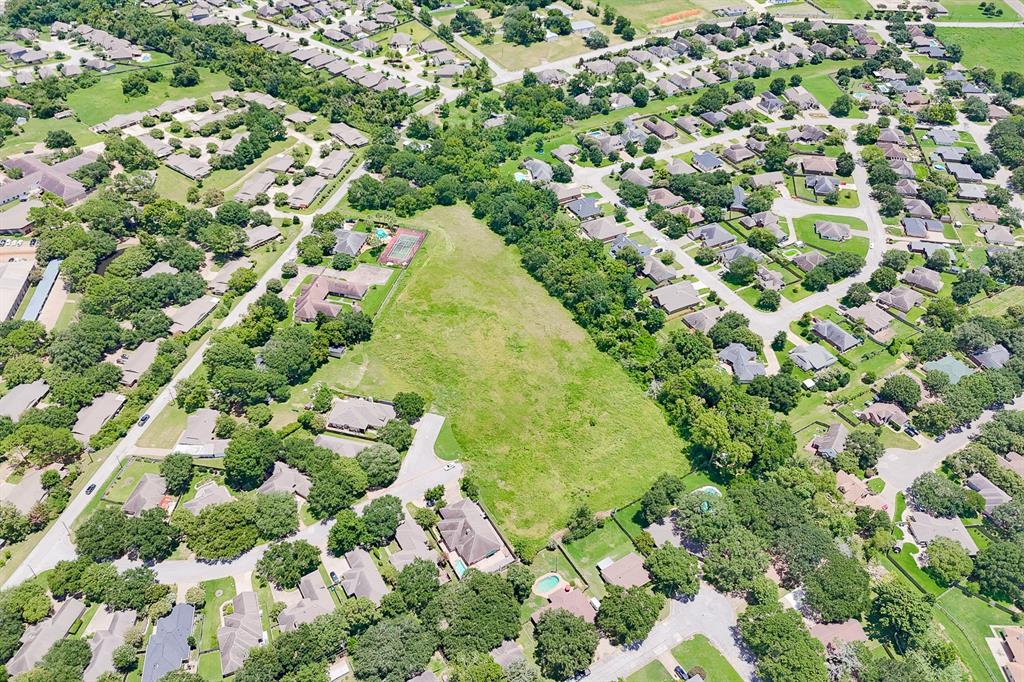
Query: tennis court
(402, 247)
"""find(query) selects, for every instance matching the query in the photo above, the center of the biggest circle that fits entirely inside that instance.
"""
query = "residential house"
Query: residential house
(168, 648)
(19, 399)
(626, 572)
(835, 335)
(676, 297)
(363, 579)
(832, 442)
(149, 493)
(703, 320)
(604, 229)
(316, 601)
(350, 242)
(359, 415)
(242, 631)
(924, 278)
(91, 418)
(900, 298)
(412, 544)
(286, 479)
(743, 362)
(836, 232)
(808, 261)
(874, 319)
(313, 297)
(878, 414)
(713, 235)
(993, 494)
(105, 641)
(993, 357)
(467, 532)
(925, 528)
(37, 639)
(812, 357)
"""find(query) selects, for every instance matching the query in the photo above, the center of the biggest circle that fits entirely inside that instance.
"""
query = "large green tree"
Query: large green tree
(627, 616)
(565, 644)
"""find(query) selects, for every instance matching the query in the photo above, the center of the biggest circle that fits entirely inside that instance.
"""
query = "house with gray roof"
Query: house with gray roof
(21, 398)
(713, 235)
(656, 271)
(924, 278)
(676, 297)
(835, 335)
(168, 647)
(993, 494)
(359, 415)
(316, 601)
(37, 639)
(706, 162)
(743, 362)
(900, 298)
(879, 414)
(412, 544)
(604, 229)
(584, 208)
(874, 319)
(821, 185)
(199, 438)
(925, 528)
(350, 242)
(728, 255)
(831, 443)
(208, 494)
(363, 579)
(623, 242)
(812, 357)
(242, 630)
(993, 357)
(286, 479)
(104, 642)
(704, 319)
(540, 171)
(149, 493)
(953, 368)
(466, 531)
(91, 418)
(832, 231)
(346, 447)
(808, 261)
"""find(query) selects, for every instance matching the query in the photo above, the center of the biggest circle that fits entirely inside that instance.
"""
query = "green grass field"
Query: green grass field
(699, 651)
(968, 622)
(165, 429)
(1001, 49)
(542, 417)
(967, 10)
(105, 99)
(843, 9)
(606, 542)
(129, 478)
(652, 672)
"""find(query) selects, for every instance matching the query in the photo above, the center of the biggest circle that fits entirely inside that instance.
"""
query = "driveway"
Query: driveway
(709, 614)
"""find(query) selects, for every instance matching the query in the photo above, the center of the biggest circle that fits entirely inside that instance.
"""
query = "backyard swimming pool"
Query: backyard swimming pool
(460, 567)
(548, 583)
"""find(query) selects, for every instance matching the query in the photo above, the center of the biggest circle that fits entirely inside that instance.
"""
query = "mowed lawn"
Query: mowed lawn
(700, 652)
(542, 417)
(843, 9)
(1000, 49)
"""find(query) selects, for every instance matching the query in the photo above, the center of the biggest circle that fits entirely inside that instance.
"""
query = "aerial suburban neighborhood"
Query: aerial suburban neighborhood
(502, 341)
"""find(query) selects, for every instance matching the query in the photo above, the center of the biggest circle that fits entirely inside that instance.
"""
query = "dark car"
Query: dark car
(334, 577)
(90, 488)
(143, 419)
(680, 673)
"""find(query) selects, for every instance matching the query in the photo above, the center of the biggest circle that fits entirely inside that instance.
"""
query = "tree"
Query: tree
(660, 498)
(125, 658)
(346, 534)
(184, 76)
(520, 26)
(902, 390)
(381, 462)
(104, 535)
(393, 649)
(838, 590)
(735, 560)
(674, 571)
(595, 40)
(134, 85)
(882, 279)
(520, 577)
(581, 523)
(417, 583)
(948, 561)
(857, 295)
(397, 433)
(381, 519)
(150, 536)
(284, 563)
(901, 611)
(59, 139)
(565, 644)
(939, 496)
(409, 406)
(784, 648)
(481, 611)
(841, 106)
(177, 472)
(277, 515)
(627, 616)
(743, 269)
(249, 457)
(336, 487)
(865, 447)
(762, 240)
(845, 164)
(999, 569)
(802, 548)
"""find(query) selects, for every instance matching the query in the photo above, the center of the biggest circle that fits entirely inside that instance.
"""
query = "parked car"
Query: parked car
(88, 490)
(143, 419)
(449, 466)
(680, 673)
(334, 577)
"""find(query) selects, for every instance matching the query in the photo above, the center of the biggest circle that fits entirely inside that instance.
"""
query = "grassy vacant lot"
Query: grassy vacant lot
(543, 418)
(516, 57)
(165, 429)
(660, 13)
(967, 10)
(843, 9)
(700, 651)
(105, 99)
(35, 129)
(1001, 49)
(968, 622)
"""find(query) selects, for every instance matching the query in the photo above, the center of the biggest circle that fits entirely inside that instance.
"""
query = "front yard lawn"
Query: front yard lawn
(122, 488)
(218, 592)
(700, 652)
(805, 232)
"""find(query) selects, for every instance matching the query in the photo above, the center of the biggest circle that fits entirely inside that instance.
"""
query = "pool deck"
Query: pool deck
(542, 591)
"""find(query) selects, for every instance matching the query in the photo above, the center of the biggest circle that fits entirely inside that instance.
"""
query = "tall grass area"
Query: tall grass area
(543, 419)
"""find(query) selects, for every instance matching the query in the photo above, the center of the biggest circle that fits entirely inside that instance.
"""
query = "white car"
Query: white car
(449, 466)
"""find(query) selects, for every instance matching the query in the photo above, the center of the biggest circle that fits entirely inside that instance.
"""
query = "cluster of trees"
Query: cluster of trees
(109, 534)
(221, 49)
(224, 531)
(135, 588)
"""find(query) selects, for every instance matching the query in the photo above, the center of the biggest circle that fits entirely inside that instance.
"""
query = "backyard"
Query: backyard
(543, 419)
